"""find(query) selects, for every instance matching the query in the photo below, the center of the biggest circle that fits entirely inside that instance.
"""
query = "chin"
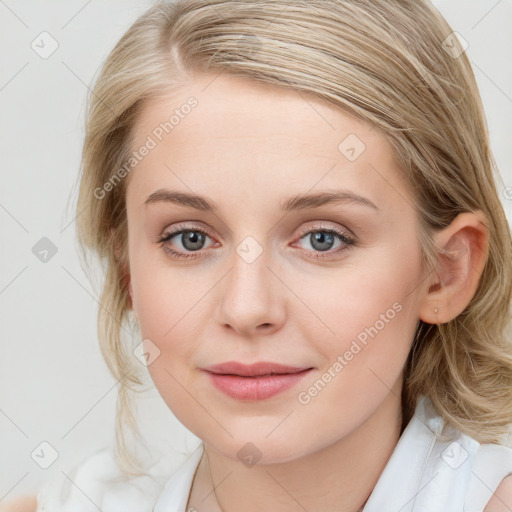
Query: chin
(262, 451)
(252, 444)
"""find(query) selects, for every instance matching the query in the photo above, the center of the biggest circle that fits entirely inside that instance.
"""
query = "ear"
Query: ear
(463, 249)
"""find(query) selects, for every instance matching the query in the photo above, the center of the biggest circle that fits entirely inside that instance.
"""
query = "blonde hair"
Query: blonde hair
(384, 61)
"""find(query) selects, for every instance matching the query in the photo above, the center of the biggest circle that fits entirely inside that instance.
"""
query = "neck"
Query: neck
(338, 477)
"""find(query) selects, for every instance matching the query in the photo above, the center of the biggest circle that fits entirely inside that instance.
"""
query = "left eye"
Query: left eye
(323, 240)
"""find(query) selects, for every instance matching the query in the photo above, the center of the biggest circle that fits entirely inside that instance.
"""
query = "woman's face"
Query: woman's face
(328, 286)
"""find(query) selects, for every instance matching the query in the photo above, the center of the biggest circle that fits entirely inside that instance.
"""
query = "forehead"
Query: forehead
(247, 108)
(242, 132)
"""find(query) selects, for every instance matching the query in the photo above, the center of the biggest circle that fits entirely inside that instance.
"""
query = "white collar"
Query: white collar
(425, 473)
(174, 497)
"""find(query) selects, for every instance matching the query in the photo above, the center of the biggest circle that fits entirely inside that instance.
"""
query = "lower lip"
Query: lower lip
(255, 388)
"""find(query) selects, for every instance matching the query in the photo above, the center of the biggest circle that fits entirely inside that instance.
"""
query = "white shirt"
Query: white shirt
(424, 474)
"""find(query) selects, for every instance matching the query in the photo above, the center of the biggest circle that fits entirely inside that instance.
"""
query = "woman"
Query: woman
(296, 203)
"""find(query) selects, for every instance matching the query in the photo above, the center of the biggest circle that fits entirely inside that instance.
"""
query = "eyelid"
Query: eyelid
(181, 226)
(323, 225)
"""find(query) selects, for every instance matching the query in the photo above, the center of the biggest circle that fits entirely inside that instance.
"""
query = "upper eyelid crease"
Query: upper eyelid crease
(297, 202)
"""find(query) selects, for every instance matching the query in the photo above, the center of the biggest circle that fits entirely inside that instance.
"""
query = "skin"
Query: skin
(248, 147)
(19, 504)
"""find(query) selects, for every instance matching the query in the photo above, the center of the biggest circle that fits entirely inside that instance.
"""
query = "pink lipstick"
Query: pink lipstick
(256, 381)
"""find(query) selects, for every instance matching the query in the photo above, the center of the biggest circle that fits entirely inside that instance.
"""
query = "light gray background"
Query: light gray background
(54, 385)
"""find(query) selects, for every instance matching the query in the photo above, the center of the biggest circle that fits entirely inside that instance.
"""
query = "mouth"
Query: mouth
(257, 381)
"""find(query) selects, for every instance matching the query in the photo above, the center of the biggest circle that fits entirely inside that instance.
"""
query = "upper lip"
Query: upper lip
(254, 369)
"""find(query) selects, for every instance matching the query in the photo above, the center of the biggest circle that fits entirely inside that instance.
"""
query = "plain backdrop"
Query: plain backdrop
(54, 386)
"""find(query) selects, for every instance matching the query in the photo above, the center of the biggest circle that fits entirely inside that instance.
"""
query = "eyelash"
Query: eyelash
(347, 240)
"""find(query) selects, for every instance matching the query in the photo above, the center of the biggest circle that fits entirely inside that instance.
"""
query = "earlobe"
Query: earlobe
(462, 253)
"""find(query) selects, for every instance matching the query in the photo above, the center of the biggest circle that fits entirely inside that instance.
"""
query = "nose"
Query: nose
(252, 299)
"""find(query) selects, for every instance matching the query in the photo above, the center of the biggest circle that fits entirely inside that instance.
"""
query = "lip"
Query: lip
(257, 381)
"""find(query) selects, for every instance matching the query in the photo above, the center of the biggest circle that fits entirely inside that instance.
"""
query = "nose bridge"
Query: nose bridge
(250, 297)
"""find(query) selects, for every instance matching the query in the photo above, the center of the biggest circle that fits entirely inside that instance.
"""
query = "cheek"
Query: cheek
(356, 296)
(165, 296)
(374, 319)
(371, 312)
(168, 305)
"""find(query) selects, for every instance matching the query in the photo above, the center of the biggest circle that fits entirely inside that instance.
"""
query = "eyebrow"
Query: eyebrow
(297, 202)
